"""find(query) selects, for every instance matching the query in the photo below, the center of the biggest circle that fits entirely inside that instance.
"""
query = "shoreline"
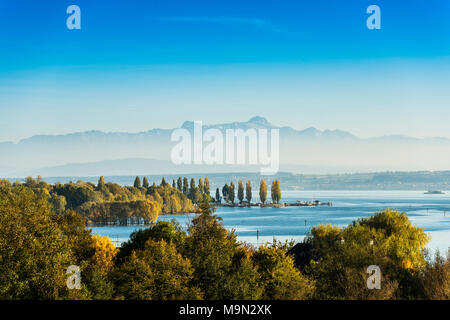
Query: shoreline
(298, 203)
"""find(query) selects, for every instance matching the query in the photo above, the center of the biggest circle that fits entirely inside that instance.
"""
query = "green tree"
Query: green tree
(162, 230)
(402, 241)
(201, 186)
(172, 205)
(263, 191)
(218, 197)
(194, 193)
(158, 272)
(279, 277)
(34, 255)
(137, 182)
(185, 186)
(179, 184)
(58, 202)
(95, 282)
(225, 192)
(436, 278)
(272, 193)
(163, 182)
(386, 239)
(207, 187)
(248, 191)
(231, 192)
(101, 183)
(240, 191)
(221, 271)
(145, 183)
(276, 191)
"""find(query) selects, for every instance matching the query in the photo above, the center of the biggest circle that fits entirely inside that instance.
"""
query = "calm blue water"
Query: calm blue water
(425, 211)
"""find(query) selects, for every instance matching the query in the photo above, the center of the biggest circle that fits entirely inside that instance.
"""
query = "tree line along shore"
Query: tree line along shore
(109, 203)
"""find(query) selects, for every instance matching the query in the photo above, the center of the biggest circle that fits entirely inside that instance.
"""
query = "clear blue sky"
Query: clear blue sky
(136, 65)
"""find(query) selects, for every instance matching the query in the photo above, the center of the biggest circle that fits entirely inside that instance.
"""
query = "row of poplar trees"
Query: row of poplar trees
(228, 192)
(196, 193)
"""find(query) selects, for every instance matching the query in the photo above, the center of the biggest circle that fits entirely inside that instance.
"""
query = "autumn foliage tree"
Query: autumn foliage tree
(104, 253)
(263, 191)
(248, 191)
(207, 189)
(240, 191)
(39, 240)
(231, 192)
(276, 191)
(101, 183)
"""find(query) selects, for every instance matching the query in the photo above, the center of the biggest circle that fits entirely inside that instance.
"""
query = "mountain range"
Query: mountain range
(94, 153)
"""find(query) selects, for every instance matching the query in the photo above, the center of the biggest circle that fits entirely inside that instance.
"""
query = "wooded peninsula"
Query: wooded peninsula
(109, 203)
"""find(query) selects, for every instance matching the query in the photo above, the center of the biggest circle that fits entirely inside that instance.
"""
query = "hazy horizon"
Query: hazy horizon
(322, 130)
(305, 151)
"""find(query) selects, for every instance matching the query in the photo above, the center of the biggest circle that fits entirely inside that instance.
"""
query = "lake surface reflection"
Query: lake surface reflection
(430, 212)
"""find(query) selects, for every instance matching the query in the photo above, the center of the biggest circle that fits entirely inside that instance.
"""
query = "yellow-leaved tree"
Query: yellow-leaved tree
(105, 251)
(340, 257)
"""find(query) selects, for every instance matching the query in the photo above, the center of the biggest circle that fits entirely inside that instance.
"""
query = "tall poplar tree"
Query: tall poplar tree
(218, 198)
(200, 185)
(101, 182)
(272, 192)
(263, 191)
(231, 192)
(277, 191)
(207, 186)
(185, 186)
(137, 182)
(240, 191)
(145, 183)
(179, 184)
(248, 191)
(225, 191)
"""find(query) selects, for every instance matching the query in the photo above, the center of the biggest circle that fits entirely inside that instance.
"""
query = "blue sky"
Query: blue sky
(136, 65)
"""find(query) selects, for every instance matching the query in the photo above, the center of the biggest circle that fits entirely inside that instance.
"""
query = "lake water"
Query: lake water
(430, 212)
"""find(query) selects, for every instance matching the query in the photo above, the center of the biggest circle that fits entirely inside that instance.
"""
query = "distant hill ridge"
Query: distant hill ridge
(256, 122)
(307, 148)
